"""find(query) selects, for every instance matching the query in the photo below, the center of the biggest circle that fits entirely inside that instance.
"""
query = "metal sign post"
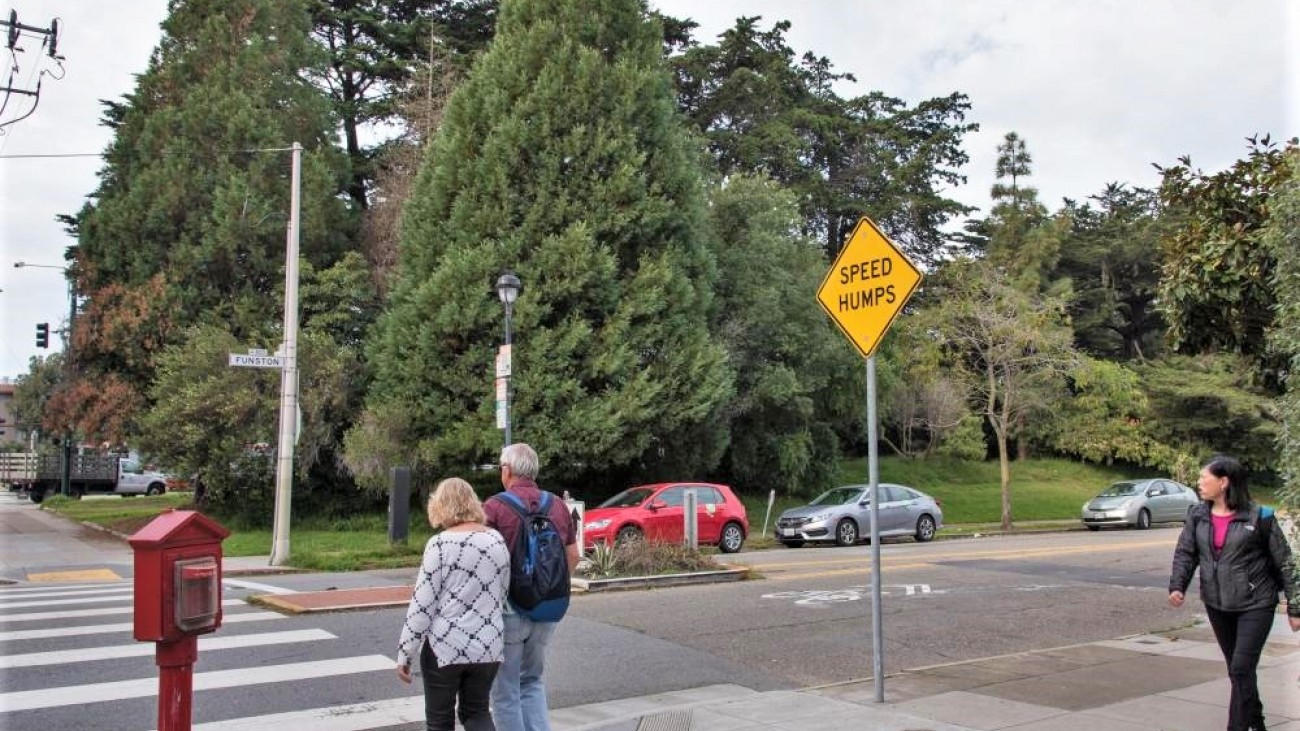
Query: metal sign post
(863, 292)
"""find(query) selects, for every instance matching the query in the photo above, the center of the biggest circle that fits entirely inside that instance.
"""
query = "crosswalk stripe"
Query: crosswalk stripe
(355, 717)
(101, 629)
(27, 700)
(71, 613)
(5, 590)
(121, 594)
(264, 588)
(144, 649)
(75, 592)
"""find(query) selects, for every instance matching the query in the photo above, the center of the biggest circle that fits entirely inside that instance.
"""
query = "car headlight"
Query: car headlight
(597, 524)
(818, 517)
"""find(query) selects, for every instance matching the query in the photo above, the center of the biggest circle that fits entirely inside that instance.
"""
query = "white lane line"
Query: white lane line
(145, 649)
(126, 594)
(102, 629)
(47, 587)
(71, 613)
(73, 592)
(241, 584)
(74, 695)
(355, 717)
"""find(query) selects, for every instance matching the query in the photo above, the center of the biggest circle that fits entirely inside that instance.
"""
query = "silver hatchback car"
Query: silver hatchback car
(843, 515)
(1139, 503)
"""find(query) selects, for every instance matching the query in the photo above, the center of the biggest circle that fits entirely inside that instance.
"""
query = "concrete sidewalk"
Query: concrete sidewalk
(1171, 682)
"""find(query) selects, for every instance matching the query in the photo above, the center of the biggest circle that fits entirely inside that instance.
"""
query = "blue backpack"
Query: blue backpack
(539, 565)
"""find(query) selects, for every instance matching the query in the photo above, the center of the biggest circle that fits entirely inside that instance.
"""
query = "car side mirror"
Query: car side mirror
(656, 505)
(1152, 492)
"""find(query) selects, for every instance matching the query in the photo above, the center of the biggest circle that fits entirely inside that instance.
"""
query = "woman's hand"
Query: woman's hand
(1295, 623)
(1176, 598)
(404, 673)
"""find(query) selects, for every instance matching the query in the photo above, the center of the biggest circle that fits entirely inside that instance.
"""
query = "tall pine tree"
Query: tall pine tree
(187, 225)
(563, 159)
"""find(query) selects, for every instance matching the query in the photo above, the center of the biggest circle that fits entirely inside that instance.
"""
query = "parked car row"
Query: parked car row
(841, 516)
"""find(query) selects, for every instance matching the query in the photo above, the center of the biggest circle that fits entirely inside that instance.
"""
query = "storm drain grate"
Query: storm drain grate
(666, 721)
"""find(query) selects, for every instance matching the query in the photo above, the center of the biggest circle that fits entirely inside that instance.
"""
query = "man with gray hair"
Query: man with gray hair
(519, 693)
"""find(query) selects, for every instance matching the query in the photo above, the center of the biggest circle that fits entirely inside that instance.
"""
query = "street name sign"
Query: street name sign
(867, 286)
(248, 360)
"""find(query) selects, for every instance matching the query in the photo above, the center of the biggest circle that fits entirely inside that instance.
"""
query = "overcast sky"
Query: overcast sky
(1099, 90)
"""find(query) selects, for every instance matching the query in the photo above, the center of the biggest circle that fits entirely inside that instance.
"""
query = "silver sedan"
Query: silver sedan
(1139, 503)
(843, 515)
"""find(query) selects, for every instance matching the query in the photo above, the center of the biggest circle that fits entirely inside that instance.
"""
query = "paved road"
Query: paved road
(808, 621)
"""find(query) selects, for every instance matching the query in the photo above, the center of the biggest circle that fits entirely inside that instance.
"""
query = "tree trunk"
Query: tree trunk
(1004, 464)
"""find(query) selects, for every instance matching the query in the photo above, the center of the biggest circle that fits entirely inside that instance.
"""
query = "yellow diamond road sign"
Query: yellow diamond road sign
(867, 286)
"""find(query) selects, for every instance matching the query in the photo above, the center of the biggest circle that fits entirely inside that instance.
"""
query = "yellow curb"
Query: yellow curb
(271, 601)
(70, 576)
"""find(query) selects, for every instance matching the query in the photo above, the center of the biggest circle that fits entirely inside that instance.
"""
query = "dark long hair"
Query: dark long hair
(1221, 465)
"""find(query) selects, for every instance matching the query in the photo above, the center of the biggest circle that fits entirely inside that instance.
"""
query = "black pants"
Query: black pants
(1241, 637)
(471, 684)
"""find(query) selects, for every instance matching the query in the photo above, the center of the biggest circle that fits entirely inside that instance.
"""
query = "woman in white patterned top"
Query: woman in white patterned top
(454, 619)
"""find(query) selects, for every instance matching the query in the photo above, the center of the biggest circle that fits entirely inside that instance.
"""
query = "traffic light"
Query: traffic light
(42, 334)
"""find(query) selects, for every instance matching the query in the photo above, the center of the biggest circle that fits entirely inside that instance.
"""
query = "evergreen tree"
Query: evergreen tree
(561, 158)
(187, 225)
(374, 48)
(1112, 258)
(765, 110)
(796, 378)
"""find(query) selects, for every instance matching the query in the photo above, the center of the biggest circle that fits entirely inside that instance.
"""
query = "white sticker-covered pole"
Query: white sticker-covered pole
(288, 375)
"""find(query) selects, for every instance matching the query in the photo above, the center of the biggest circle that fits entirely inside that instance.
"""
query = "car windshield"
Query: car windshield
(629, 498)
(838, 496)
(1121, 489)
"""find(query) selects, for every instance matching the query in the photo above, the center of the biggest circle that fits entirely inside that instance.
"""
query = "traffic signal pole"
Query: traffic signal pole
(67, 370)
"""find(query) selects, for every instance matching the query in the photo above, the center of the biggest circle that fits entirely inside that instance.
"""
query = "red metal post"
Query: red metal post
(175, 682)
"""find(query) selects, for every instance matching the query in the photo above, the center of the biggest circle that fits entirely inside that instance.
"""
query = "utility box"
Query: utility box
(177, 576)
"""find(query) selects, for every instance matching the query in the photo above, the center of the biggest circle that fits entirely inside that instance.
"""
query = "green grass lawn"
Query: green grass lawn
(1043, 492)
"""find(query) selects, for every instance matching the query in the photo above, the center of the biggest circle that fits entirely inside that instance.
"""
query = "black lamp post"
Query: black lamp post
(508, 288)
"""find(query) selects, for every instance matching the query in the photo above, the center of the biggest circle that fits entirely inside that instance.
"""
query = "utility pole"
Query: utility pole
(289, 374)
(13, 31)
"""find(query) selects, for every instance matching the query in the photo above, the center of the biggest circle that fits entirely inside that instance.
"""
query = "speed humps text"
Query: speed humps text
(869, 290)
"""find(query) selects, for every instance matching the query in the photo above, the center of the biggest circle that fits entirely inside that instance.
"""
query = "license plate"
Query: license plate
(787, 531)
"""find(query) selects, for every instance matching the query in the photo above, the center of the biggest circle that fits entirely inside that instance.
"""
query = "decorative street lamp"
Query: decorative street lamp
(508, 288)
(66, 467)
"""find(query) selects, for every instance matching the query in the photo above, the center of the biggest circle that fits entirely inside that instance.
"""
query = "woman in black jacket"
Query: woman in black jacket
(1242, 572)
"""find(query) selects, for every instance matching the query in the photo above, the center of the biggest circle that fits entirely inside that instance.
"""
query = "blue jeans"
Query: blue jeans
(519, 693)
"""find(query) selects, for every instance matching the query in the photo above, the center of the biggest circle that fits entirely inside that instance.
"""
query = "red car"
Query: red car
(654, 512)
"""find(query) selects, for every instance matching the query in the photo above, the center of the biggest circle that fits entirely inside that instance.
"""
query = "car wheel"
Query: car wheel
(846, 533)
(627, 534)
(155, 489)
(925, 529)
(1094, 527)
(1144, 519)
(792, 544)
(732, 538)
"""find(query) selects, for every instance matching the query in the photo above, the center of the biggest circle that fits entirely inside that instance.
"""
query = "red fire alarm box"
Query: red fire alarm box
(177, 576)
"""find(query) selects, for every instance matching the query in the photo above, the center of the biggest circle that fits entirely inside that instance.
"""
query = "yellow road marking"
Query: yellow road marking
(931, 557)
(82, 575)
(863, 565)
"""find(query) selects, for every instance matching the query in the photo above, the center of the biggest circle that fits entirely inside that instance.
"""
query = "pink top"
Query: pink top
(1221, 523)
